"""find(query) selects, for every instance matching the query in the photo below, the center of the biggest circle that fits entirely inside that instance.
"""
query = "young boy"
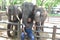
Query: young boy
(27, 30)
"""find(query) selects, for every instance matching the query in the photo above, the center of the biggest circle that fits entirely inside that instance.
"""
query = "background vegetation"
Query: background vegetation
(46, 3)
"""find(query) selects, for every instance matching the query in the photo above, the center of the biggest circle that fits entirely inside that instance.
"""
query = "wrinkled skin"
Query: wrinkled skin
(30, 10)
(40, 16)
(27, 9)
(13, 11)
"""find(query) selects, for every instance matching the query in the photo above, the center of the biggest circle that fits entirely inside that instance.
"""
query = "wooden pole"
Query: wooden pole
(54, 33)
(18, 36)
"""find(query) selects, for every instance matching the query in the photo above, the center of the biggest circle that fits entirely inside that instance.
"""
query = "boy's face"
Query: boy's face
(29, 20)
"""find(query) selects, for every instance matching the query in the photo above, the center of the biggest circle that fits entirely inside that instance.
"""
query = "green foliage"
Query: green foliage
(47, 3)
(17, 2)
(38, 2)
(0, 2)
(28, 0)
(21, 1)
(53, 14)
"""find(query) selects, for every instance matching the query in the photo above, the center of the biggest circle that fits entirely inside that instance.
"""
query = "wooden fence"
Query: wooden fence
(53, 33)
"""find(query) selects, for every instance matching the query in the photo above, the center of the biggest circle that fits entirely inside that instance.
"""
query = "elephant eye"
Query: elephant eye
(38, 13)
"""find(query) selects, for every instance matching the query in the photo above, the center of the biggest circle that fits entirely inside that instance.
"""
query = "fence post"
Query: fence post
(54, 33)
(0, 17)
(18, 31)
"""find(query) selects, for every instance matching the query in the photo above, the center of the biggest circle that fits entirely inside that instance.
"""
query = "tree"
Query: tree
(0, 2)
(48, 3)
(16, 2)
(3, 4)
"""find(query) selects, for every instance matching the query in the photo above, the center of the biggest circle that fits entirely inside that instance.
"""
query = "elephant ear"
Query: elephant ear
(38, 14)
(12, 9)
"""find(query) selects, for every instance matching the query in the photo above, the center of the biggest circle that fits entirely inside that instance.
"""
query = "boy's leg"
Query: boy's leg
(22, 36)
(31, 36)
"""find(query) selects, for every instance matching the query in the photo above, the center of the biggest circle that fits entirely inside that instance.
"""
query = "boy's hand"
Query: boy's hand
(34, 27)
(25, 33)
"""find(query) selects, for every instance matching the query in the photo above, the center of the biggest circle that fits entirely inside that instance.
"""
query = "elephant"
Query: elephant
(12, 12)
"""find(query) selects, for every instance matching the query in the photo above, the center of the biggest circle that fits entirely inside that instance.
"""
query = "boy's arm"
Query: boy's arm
(23, 29)
(34, 26)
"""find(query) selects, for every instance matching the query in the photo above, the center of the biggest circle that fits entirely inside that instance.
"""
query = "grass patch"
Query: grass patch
(53, 14)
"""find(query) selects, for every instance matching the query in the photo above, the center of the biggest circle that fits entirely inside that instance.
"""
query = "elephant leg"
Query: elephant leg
(42, 24)
(38, 29)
